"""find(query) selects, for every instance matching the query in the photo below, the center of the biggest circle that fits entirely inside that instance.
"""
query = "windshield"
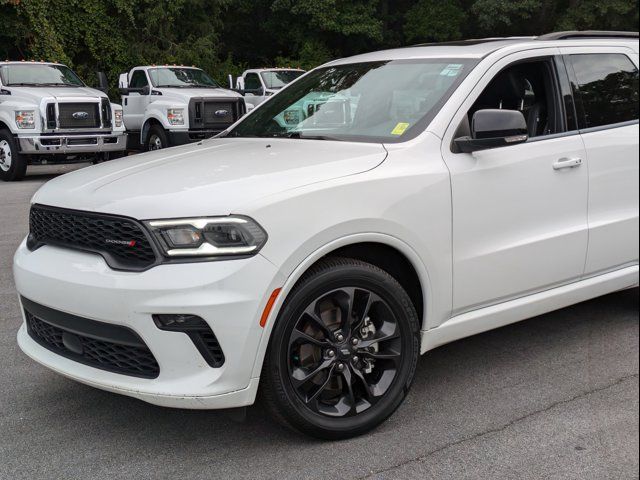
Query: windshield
(177, 77)
(386, 101)
(38, 75)
(276, 79)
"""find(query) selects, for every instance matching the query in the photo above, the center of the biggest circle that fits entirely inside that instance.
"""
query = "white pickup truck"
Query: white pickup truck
(48, 115)
(173, 105)
(257, 84)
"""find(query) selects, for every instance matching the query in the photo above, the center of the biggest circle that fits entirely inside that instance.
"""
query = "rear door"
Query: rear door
(605, 84)
(519, 216)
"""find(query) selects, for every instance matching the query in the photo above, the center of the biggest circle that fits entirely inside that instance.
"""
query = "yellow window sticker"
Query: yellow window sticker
(399, 128)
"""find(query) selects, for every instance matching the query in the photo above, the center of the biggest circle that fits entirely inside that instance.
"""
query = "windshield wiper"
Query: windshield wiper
(307, 137)
(192, 85)
(31, 84)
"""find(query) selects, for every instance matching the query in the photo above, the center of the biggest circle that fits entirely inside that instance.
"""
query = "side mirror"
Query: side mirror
(146, 90)
(494, 128)
(103, 83)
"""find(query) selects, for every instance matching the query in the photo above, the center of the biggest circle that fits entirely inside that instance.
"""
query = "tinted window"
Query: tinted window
(138, 79)
(527, 88)
(607, 88)
(252, 82)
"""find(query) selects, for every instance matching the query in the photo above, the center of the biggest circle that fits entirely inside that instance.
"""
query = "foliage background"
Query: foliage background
(226, 36)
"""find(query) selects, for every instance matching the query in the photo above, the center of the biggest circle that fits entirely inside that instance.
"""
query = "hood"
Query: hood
(61, 93)
(213, 177)
(185, 94)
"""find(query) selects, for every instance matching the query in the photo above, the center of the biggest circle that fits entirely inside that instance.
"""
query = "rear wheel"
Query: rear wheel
(13, 165)
(156, 139)
(343, 351)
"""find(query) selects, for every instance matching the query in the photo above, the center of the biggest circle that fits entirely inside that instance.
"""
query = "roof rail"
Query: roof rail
(569, 35)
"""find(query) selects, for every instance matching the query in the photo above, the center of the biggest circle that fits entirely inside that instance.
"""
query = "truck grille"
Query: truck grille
(214, 114)
(122, 242)
(114, 348)
(79, 115)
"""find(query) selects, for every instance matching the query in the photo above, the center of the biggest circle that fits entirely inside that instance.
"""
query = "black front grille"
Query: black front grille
(218, 112)
(214, 114)
(114, 348)
(78, 115)
(122, 242)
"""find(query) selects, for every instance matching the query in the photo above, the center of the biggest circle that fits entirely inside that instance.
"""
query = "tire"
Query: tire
(305, 386)
(13, 165)
(156, 139)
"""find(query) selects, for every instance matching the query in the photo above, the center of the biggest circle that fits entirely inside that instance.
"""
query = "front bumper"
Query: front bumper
(228, 295)
(72, 144)
(182, 137)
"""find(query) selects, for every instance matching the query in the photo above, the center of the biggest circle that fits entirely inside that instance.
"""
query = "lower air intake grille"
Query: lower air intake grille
(121, 241)
(114, 348)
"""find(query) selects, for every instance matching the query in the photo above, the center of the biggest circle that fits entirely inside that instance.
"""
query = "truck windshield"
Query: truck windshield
(178, 77)
(383, 101)
(276, 79)
(38, 75)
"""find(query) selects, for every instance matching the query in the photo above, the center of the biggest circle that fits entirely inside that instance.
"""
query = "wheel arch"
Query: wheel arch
(146, 126)
(366, 247)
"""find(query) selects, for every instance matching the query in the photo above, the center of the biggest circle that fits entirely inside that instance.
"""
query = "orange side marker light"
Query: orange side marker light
(269, 306)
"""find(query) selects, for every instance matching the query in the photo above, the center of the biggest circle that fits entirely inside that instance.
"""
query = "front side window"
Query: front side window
(252, 82)
(38, 75)
(527, 87)
(606, 87)
(276, 79)
(384, 101)
(138, 79)
(179, 77)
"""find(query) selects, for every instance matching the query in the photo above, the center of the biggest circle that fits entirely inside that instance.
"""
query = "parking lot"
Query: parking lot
(552, 397)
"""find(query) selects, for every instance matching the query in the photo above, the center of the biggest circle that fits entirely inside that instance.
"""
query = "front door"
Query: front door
(135, 104)
(520, 211)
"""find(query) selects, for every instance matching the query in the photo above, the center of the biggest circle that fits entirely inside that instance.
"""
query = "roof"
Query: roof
(480, 48)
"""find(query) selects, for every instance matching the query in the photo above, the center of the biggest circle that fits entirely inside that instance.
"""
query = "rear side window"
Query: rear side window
(606, 87)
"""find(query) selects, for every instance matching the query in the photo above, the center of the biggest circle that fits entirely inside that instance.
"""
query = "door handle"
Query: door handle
(567, 163)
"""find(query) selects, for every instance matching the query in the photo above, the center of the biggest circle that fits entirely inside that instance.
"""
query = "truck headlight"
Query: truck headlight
(209, 237)
(26, 118)
(175, 116)
(117, 118)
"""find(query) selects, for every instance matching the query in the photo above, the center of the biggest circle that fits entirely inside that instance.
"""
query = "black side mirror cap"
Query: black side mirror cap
(492, 128)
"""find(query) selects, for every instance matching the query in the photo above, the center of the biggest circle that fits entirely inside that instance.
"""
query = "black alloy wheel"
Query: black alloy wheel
(343, 352)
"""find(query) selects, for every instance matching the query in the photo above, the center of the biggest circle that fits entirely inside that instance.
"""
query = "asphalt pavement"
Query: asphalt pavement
(555, 396)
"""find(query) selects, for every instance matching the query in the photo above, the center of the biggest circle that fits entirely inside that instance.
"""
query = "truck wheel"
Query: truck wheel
(343, 351)
(13, 165)
(157, 139)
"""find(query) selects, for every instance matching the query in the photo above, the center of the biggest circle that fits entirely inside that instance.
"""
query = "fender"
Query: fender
(295, 275)
(154, 115)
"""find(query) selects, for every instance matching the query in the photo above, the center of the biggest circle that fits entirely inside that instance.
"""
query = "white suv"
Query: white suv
(376, 208)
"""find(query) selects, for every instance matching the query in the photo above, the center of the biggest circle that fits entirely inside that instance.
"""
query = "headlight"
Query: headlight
(117, 118)
(209, 237)
(175, 116)
(26, 118)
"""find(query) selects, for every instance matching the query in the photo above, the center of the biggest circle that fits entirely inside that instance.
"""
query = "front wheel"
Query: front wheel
(343, 352)
(13, 165)
(156, 139)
